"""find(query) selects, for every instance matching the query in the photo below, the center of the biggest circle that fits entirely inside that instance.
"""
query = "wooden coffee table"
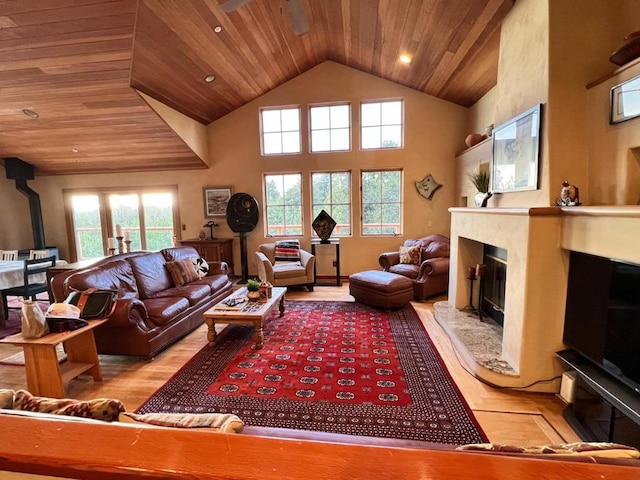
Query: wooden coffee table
(253, 313)
(45, 375)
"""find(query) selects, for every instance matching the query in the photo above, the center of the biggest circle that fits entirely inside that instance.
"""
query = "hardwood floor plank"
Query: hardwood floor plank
(507, 416)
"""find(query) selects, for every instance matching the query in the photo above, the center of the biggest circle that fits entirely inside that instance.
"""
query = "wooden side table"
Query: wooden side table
(45, 375)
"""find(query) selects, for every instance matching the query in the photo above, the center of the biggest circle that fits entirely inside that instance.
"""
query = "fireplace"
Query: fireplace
(494, 283)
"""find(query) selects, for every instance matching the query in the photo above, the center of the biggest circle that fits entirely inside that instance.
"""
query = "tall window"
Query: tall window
(382, 202)
(147, 216)
(280, 130)
(381, 124)
(283, 198)
(330, 128)
(331, 191)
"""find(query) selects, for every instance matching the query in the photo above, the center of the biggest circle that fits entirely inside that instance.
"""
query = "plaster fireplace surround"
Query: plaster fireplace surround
(537, 241)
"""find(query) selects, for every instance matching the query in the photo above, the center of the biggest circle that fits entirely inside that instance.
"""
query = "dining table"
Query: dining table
(12, 275)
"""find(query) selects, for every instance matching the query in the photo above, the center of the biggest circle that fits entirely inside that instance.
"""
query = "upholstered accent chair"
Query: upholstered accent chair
(425, 261)
(285, 273)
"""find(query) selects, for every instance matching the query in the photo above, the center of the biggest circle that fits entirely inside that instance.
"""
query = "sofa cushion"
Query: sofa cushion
(215, 282)
(150, 274)
(163, 310)
(406, 270)
(410, 255)
(116, 276)
(174, 254)
(106, 409)
(288, 270)
(435, 250)
(220, 422)
(182, 271)
(192, 292)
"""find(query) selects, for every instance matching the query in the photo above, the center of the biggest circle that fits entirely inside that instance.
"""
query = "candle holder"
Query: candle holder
(127, 246)
(480, 270)
(112, 251)
(120, 244)
(471, 276)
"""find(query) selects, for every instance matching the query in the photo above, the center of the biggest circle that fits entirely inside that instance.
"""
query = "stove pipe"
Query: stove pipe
(21, 171)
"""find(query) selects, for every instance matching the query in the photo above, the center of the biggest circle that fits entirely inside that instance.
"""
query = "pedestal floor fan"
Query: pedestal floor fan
(242, 217)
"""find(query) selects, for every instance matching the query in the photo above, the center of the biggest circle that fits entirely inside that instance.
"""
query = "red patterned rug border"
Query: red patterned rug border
(440, 413)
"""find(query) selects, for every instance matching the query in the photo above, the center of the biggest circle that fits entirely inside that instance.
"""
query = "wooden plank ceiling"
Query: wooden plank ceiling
(75, 62)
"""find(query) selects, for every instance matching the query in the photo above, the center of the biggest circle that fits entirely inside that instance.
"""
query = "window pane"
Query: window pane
(332, 193)
(291, 142)
(272, 143)
(340, 116)
(319, 118)
(340, 139)
(87, 226)
(371, 214)
(271, 121)
(158, 220)
(320, 141)
(370, 114)
(341, 214)
(292, 189)
(382, 202)
(370, 137)
(283, 212)
(341, 188)
(371, 187)
(391, 136)
(290, 120)
(391, 113)
(320, 189)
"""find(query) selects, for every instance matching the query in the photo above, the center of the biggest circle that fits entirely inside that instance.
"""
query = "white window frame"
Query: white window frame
(364, 204)
(281, 132)
(283, 205)
(332, 128)
(336, 232)
(381, 124)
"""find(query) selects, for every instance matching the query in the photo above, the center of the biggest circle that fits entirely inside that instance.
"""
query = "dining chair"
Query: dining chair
(31, 286)
(8, 255)
(34, 254)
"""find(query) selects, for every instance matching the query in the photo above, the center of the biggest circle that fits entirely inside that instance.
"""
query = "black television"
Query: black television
(602, 314)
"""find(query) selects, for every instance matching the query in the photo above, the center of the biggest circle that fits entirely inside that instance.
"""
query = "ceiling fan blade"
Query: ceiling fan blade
(297, 16)
(230, 5)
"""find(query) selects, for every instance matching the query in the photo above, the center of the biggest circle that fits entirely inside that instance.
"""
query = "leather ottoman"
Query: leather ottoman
(381, 289)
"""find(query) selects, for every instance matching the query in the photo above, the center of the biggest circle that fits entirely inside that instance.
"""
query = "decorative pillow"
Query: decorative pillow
(182, 271)
(105, 409)
(6, 398)
(287, 250)
(201, 266)
(410, 255)
(593, 449)
(223, 422)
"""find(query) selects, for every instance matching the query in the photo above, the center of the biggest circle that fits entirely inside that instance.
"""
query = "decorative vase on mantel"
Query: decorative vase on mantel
(481, 198)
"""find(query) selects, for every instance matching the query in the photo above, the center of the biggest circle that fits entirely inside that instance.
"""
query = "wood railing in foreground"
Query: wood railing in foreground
(89, 451)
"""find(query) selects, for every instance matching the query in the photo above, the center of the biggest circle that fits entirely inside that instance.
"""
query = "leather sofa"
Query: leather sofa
(151, 312)
(430, 274)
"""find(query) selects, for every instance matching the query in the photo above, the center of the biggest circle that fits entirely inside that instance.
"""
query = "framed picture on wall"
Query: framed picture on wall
(216, 200)
(516, 151)
(625, 101)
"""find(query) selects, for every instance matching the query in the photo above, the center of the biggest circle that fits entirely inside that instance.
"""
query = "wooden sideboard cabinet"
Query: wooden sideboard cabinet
(213, 250)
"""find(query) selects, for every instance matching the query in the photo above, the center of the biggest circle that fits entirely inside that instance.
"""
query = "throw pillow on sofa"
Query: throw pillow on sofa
(201, 266)
(182, 271)
(105, 409)
(221, 422)
(410, 255)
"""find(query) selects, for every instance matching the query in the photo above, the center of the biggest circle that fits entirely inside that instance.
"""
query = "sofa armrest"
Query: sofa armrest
(433, 267)
(131, 311)
(218, 268)
(388, 259)
(308, 261)
(265, 268)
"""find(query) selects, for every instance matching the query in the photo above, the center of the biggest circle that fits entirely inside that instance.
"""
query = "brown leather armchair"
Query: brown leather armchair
(429, 270)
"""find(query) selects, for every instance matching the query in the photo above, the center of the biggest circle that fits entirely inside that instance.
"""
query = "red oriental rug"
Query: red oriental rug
(339, 367)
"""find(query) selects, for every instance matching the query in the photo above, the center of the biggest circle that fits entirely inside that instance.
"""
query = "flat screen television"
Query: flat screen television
(602, 315)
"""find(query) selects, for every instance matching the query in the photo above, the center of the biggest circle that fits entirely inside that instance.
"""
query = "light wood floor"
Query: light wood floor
(506, 416)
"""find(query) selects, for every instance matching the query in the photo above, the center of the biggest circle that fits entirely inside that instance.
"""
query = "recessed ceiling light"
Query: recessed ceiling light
(30, 113)
(75, 150)
(405, 59)
(209, 78)
(217, 29)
